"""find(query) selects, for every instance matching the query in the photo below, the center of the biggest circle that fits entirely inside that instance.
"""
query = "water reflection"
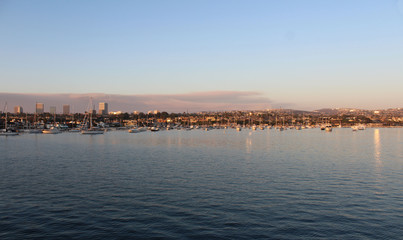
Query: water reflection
(377, 147)
(249, 144)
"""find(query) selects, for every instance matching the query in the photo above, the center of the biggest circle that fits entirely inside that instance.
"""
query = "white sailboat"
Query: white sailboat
(137, 130)
(53, 129)
(91, 130)
(6, 131)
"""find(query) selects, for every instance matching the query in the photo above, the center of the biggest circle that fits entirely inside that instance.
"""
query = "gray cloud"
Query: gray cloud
(193, 102)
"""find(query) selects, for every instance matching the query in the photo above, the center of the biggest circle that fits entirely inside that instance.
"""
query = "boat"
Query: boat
(137, 130)
(52, 130)
(154, 129)
(328, 128)
(75, 130)
(282, 127)
(91, 130)
(7, 131)
(32, 130)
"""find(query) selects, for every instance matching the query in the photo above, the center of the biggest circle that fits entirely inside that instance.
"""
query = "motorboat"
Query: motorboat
(154, 129)
(137, 130)
(92, 131)
(32, 130)
(8, 132)
(52, 130)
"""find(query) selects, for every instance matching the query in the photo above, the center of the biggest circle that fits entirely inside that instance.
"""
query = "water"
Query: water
(220, 184)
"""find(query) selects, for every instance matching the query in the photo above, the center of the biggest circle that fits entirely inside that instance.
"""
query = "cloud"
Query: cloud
(192, 102)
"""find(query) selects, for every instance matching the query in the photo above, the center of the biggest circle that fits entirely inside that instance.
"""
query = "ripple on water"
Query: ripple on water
(202, 185)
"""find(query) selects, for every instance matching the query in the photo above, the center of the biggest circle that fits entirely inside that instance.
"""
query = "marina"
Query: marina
(201, 120)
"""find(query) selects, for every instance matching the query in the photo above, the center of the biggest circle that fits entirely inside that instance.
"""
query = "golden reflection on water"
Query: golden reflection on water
(249, 143)
(377, 148)
(378, 161)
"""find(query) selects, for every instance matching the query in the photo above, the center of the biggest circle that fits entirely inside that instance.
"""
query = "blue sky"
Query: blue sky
(300, 54)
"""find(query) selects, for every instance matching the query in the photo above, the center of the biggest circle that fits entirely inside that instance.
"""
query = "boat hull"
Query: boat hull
(85, 132)
(8, 133)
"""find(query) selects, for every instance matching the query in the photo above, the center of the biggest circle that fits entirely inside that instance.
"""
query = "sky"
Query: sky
(291, 54)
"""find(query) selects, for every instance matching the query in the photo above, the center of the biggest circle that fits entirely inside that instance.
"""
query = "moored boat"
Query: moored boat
(52, 130)
(91, 130)
(7, 131)
(154, 129)
(137, 130)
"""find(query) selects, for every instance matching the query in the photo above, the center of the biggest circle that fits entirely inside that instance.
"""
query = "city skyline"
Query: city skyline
(304, 55)
(192, 102)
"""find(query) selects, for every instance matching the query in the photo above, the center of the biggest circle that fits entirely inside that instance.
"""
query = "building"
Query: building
(40, 108)
(115, 113)
(52, 110)
(66, 109)
(103, 108)
(18, 110)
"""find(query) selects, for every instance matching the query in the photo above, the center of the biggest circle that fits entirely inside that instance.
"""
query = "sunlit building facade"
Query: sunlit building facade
(40, 108)
(103, 108)
(18, 110)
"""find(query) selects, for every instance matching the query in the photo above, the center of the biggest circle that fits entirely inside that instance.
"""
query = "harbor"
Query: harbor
(92, 123)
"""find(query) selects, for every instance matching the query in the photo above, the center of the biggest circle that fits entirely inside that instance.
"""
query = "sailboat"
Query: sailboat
(328, 127)
(91, 130)
(28, 128)
(6, 131)
(53, 129)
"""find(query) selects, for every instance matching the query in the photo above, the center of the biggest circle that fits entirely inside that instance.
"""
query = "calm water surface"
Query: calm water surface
(219, 184)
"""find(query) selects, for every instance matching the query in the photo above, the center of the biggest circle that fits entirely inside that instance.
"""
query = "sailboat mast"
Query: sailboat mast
(91, 113)
(5, 126)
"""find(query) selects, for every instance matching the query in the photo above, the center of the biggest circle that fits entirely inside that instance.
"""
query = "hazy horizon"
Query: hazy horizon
(189, 102)
(203, 55)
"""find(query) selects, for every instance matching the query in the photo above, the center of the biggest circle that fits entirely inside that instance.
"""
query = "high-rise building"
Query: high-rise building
(40, 108)
(18, 109)
(103, 108)
(66, 109)
(52, 109)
